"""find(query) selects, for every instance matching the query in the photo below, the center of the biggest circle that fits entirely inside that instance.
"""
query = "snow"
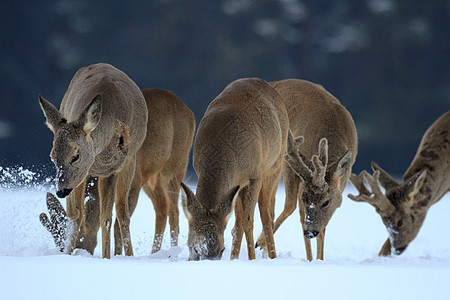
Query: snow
(31, 267)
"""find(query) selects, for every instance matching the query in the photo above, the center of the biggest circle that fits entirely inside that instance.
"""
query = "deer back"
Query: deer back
(122, 103)
(326, 152)
(240, 137)
(170, 132)
(100, 123)
(315, 114)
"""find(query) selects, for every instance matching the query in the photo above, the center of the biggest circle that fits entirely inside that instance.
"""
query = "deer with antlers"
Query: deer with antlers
(321, 149)
(403, 206)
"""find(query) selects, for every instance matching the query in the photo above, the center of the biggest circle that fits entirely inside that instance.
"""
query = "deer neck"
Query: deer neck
(437, 180)
(434, 157)
(108, 158)
(211, 189)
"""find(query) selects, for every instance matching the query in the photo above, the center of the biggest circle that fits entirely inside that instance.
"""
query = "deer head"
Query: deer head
(321, 192)
(402, 207)
(207, 226)
(73, 151)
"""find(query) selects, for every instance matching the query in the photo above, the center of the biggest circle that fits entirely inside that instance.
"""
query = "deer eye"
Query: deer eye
(75, 158)
(325, 204)
(399, 223)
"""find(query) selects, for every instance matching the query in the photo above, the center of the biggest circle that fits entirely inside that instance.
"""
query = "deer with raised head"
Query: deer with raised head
(321, 150)
(238, 156)
(160, 168)
(403, 206)
(99, 128)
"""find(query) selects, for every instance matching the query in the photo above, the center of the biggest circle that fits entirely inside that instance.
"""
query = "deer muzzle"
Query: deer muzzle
(399, 251)
(311, 233)
(63, 193)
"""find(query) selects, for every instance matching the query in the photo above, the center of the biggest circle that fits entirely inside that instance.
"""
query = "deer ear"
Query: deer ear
(234, 195)
(91, 115)
(293, 143)
(418, 180)
(188, 201)
(51, 113)
(344, 164)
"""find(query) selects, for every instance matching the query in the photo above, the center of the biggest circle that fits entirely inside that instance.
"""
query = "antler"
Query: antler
(320, 163)
(374, 196)
(309, 170)
(358, 183)
(297, 161)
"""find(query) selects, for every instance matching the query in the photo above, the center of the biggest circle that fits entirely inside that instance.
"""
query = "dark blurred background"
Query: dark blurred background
(387, 61)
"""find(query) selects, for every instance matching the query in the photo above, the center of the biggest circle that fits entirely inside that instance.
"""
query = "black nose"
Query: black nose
(311, 234)
(399, 251)
(209, 255)
(63, 193)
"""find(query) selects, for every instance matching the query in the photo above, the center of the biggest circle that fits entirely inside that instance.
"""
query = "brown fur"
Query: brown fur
(162, 162)
(326, 146)
(160, 168)
(238, 157)
(98, 130)
(403, 207)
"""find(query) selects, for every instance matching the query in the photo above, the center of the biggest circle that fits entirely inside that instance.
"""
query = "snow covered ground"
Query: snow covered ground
(32, 268)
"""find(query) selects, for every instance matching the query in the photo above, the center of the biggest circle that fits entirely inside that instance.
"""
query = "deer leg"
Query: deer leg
(301, 208)
(320, 244)
(238, 231)
(125, 178)
(159, 201)
(87, 237)
(133, 196)
(265, 195)
(75, 212)
(107, 189)
(173, 193)
(386, 249)
(291, 184)
(118, 243)
(249, 200)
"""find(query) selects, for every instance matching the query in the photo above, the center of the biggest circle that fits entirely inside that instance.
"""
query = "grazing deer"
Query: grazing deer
(319, 161)
(238, 156)
(160, 168)
(162, 162)
(403, 206)
(97, 131)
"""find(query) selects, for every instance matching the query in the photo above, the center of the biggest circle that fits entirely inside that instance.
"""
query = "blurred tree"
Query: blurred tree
(386, 60)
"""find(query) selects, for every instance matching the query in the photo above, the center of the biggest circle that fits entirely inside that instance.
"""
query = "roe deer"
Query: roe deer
(319, 161)
(160, 168)
(238, 156)
(162, 162)
(403, 206)
(97, 131)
